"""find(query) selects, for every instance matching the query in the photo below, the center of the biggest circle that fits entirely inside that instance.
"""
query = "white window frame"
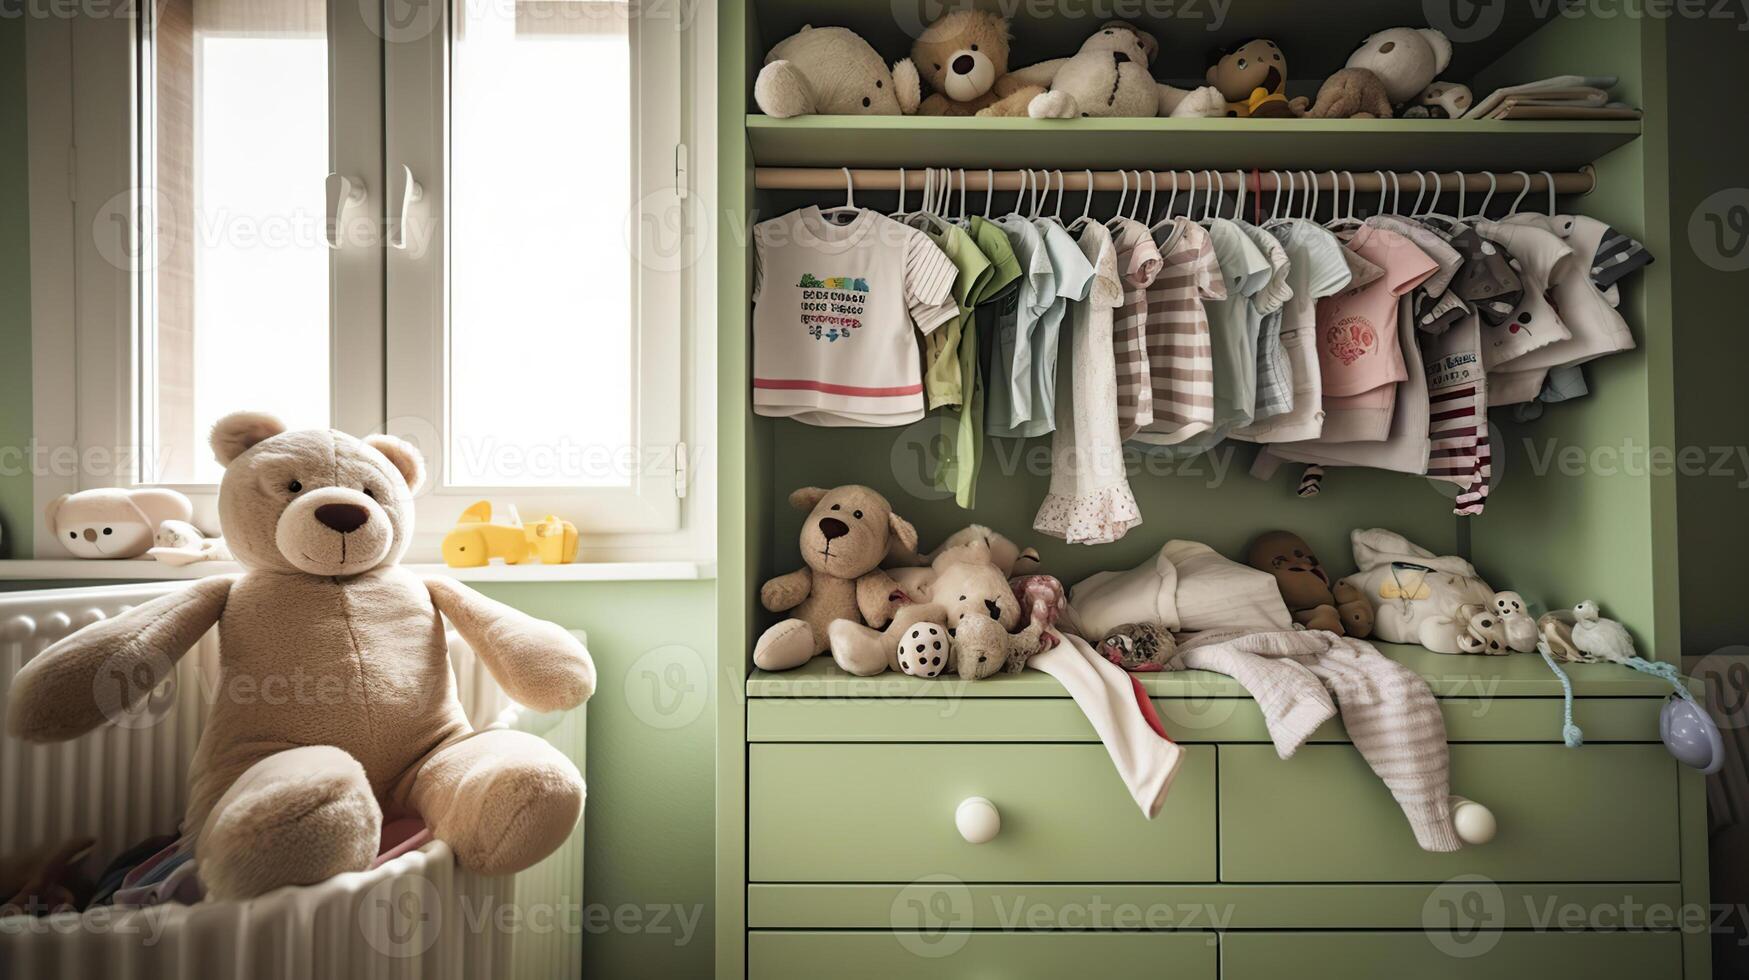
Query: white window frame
(389, 311)
(416, 94)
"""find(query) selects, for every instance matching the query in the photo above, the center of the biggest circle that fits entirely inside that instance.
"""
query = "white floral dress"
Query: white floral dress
(1090, 500)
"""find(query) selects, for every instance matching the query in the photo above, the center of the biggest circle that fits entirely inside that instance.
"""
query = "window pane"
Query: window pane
(237, 298)
(541, 306)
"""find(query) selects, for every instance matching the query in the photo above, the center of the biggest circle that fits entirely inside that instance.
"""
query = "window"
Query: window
(442, 221)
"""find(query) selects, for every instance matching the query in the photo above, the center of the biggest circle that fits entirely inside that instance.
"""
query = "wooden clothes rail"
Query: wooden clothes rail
(1256, 181)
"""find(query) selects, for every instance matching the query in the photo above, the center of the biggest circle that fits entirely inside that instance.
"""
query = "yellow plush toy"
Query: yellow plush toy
(476, 539)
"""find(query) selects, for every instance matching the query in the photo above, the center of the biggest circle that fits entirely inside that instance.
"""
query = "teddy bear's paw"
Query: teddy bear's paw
(785, 645)
(1053, 105)
(923, 650)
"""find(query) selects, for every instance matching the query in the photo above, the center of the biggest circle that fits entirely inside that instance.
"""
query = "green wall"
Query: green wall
(1710, 141)
(649, 819)
(16, 510)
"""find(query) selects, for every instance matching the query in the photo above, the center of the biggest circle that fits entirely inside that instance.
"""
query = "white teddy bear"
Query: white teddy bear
(1109, 77)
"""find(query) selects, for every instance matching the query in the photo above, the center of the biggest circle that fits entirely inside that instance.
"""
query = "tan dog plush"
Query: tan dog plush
(335, 700)
(964, 58)
(848, 533)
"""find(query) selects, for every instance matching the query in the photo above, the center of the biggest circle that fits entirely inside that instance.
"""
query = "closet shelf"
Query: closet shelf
(1518, 675)
(1321, 144)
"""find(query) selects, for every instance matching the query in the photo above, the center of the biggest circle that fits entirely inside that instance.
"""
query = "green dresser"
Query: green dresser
(1257, 867)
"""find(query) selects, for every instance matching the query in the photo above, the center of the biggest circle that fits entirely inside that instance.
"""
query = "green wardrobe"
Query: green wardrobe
(837, 849)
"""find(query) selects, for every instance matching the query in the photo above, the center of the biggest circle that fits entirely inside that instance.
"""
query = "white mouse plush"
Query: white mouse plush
(113, 523)
(1110, 76)
(180, 543)
(1408, 61)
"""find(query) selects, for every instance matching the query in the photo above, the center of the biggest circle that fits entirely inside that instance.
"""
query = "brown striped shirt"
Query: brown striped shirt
(1181, 367)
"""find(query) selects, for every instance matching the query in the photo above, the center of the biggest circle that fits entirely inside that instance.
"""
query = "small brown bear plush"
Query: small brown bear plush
(1253, 79)
(1305, 586)
(964, 58)
(847, 534)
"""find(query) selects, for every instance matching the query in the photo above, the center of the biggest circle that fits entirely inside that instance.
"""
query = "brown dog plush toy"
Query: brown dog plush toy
(848, 533)
(1253, 79)
(335, 699)
(1305, 586)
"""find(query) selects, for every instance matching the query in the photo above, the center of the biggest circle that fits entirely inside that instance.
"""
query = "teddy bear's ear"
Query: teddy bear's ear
(907, 85)
(903, 531)
(235, 433)
(402, 456)
(1441, 49)
(160, 504)
(1027, 562)
(807, 498)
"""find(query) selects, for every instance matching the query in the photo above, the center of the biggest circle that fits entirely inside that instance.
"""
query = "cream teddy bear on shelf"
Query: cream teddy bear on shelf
(1110, 76)
(335, 700)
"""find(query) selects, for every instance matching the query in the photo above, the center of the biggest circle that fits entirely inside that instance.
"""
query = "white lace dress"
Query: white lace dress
(1090, 500)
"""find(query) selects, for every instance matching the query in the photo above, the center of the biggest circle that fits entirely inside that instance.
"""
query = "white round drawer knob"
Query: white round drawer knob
(1475, 823)
(977, 820)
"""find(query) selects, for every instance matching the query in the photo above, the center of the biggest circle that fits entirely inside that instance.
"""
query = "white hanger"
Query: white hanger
(1522, 192)
(1086, 204)
(849, 207)
(1239, 201)
(1493, 184)
(1121, 198)
(1420, 193)
(1171, 203)
(989, 191)
(1057, 215)
(1153, 183)
(1550, 180)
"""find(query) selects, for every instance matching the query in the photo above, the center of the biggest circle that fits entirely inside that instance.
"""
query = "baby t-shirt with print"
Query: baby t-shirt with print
(1357, 328)
(834, 307)
(943, 382)
(1008, 385)
(1180, 358)
(1233, 326)
(1317, 267)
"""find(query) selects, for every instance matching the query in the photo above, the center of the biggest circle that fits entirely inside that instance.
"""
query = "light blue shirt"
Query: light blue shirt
(1009, 387)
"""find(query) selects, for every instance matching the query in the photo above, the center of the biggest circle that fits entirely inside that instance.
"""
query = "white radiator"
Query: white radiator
(417, 916)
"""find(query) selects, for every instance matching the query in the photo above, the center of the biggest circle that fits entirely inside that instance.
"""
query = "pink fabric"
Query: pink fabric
(399, 837)
(1043, 600)
(1357, 328)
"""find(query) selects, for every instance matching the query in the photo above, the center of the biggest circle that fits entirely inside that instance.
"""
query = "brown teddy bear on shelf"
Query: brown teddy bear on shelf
(1305, 586)
(964, 58)
(848, 533)
(1253, 79)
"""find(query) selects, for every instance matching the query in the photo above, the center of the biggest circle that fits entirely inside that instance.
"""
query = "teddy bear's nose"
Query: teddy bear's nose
(344, 518)
(91, 534)
(964, 64)
(832, 527)
(1120, 57)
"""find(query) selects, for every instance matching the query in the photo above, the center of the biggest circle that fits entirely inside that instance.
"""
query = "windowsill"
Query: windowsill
(134, 570)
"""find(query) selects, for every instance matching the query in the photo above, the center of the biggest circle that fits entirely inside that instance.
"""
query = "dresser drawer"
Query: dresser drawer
(885, 813)
(884, 955)
(1598, 813)
(1448, 956)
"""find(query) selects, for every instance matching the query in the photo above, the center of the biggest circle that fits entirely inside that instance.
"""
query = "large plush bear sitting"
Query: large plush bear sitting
(335, 700)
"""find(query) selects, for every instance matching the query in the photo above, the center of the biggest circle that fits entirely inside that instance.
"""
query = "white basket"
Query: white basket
(416, 916)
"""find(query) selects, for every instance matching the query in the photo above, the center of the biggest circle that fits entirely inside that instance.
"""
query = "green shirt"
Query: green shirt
(958, 467)
(942, 378)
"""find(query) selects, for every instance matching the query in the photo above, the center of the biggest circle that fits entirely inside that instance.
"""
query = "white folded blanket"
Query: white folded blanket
(1187, 586)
